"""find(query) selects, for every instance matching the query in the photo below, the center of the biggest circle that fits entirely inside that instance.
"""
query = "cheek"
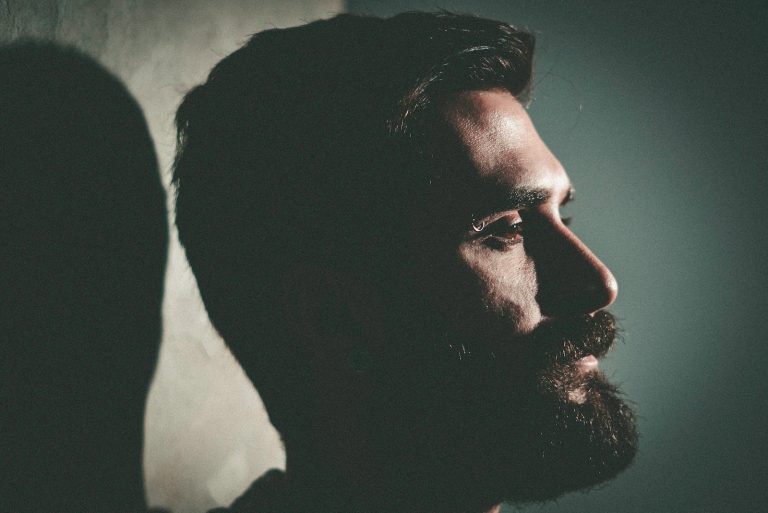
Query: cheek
(506, 283)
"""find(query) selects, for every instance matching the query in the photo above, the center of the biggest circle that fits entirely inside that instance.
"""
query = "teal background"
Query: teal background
(658, 111)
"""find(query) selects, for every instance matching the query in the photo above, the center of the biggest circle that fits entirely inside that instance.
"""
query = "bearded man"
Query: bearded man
(375, 228)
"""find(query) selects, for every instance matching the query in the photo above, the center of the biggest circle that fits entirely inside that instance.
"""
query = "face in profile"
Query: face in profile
(387, 259)
(495, 390)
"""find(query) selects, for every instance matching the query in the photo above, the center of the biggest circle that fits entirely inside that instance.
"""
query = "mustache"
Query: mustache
(552, 343)
(565, 341)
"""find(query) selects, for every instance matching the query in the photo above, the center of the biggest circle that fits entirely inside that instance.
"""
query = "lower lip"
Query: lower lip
(589, 362)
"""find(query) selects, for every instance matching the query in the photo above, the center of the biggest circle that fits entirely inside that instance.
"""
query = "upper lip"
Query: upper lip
(568, 341)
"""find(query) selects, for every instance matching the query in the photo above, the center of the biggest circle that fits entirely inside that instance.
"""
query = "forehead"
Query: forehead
(491, 137)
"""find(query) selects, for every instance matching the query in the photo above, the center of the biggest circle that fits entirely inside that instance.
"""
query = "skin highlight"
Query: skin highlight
(488, 148)
(487, 281)
(384, 255)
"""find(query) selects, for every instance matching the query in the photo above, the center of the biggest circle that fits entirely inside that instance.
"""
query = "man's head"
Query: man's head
(374, 226)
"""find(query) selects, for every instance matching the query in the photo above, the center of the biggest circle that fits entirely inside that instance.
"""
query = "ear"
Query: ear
(336, 319)
(332, 314)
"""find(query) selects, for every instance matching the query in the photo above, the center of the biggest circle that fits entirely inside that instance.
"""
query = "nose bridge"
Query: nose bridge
(572, 279)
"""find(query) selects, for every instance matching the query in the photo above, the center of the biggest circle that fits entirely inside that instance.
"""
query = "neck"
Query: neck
(322, 482)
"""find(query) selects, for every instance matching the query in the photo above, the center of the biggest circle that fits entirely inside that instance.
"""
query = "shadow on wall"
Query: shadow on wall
(82, 258)
(207, 435)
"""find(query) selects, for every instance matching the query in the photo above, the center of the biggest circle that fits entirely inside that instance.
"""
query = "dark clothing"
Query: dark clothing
(266, 495)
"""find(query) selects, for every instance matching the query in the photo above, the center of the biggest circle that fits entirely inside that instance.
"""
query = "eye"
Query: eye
(502, 233)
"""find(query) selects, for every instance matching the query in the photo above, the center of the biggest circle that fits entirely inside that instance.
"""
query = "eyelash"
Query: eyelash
(496, 231)
(494, 238)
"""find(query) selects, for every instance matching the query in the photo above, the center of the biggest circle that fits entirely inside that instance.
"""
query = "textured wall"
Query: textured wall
(207, 435)
(659, 111)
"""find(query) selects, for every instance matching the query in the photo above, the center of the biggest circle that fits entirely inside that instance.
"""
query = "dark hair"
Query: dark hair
(304, 145)
(83, 237)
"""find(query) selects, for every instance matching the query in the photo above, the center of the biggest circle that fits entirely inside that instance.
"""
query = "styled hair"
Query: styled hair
(306, 145)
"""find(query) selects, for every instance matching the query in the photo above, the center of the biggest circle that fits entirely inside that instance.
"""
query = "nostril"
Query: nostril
(577, 290)
(575, 302)
(597, 298)
(572, 280)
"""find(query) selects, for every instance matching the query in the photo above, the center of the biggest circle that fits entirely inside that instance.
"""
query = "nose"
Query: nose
(571, 279)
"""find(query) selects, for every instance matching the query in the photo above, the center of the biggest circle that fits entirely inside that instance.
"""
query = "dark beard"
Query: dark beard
(480, 424)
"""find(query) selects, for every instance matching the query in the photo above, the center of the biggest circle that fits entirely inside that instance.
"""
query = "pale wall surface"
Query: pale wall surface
(657, 109)
(207, 435)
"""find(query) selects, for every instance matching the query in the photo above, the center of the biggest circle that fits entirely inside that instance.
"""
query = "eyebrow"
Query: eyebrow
(521, 198)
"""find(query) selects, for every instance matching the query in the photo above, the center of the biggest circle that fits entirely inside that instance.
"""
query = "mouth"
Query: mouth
(580, 341)
(561, 357)
(587, 363)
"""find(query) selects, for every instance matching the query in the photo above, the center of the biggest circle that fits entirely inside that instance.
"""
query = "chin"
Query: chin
(573, 439)
(484, 449)
(480, 429)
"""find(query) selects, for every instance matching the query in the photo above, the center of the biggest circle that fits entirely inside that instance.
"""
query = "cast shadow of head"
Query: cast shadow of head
(82, 256)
